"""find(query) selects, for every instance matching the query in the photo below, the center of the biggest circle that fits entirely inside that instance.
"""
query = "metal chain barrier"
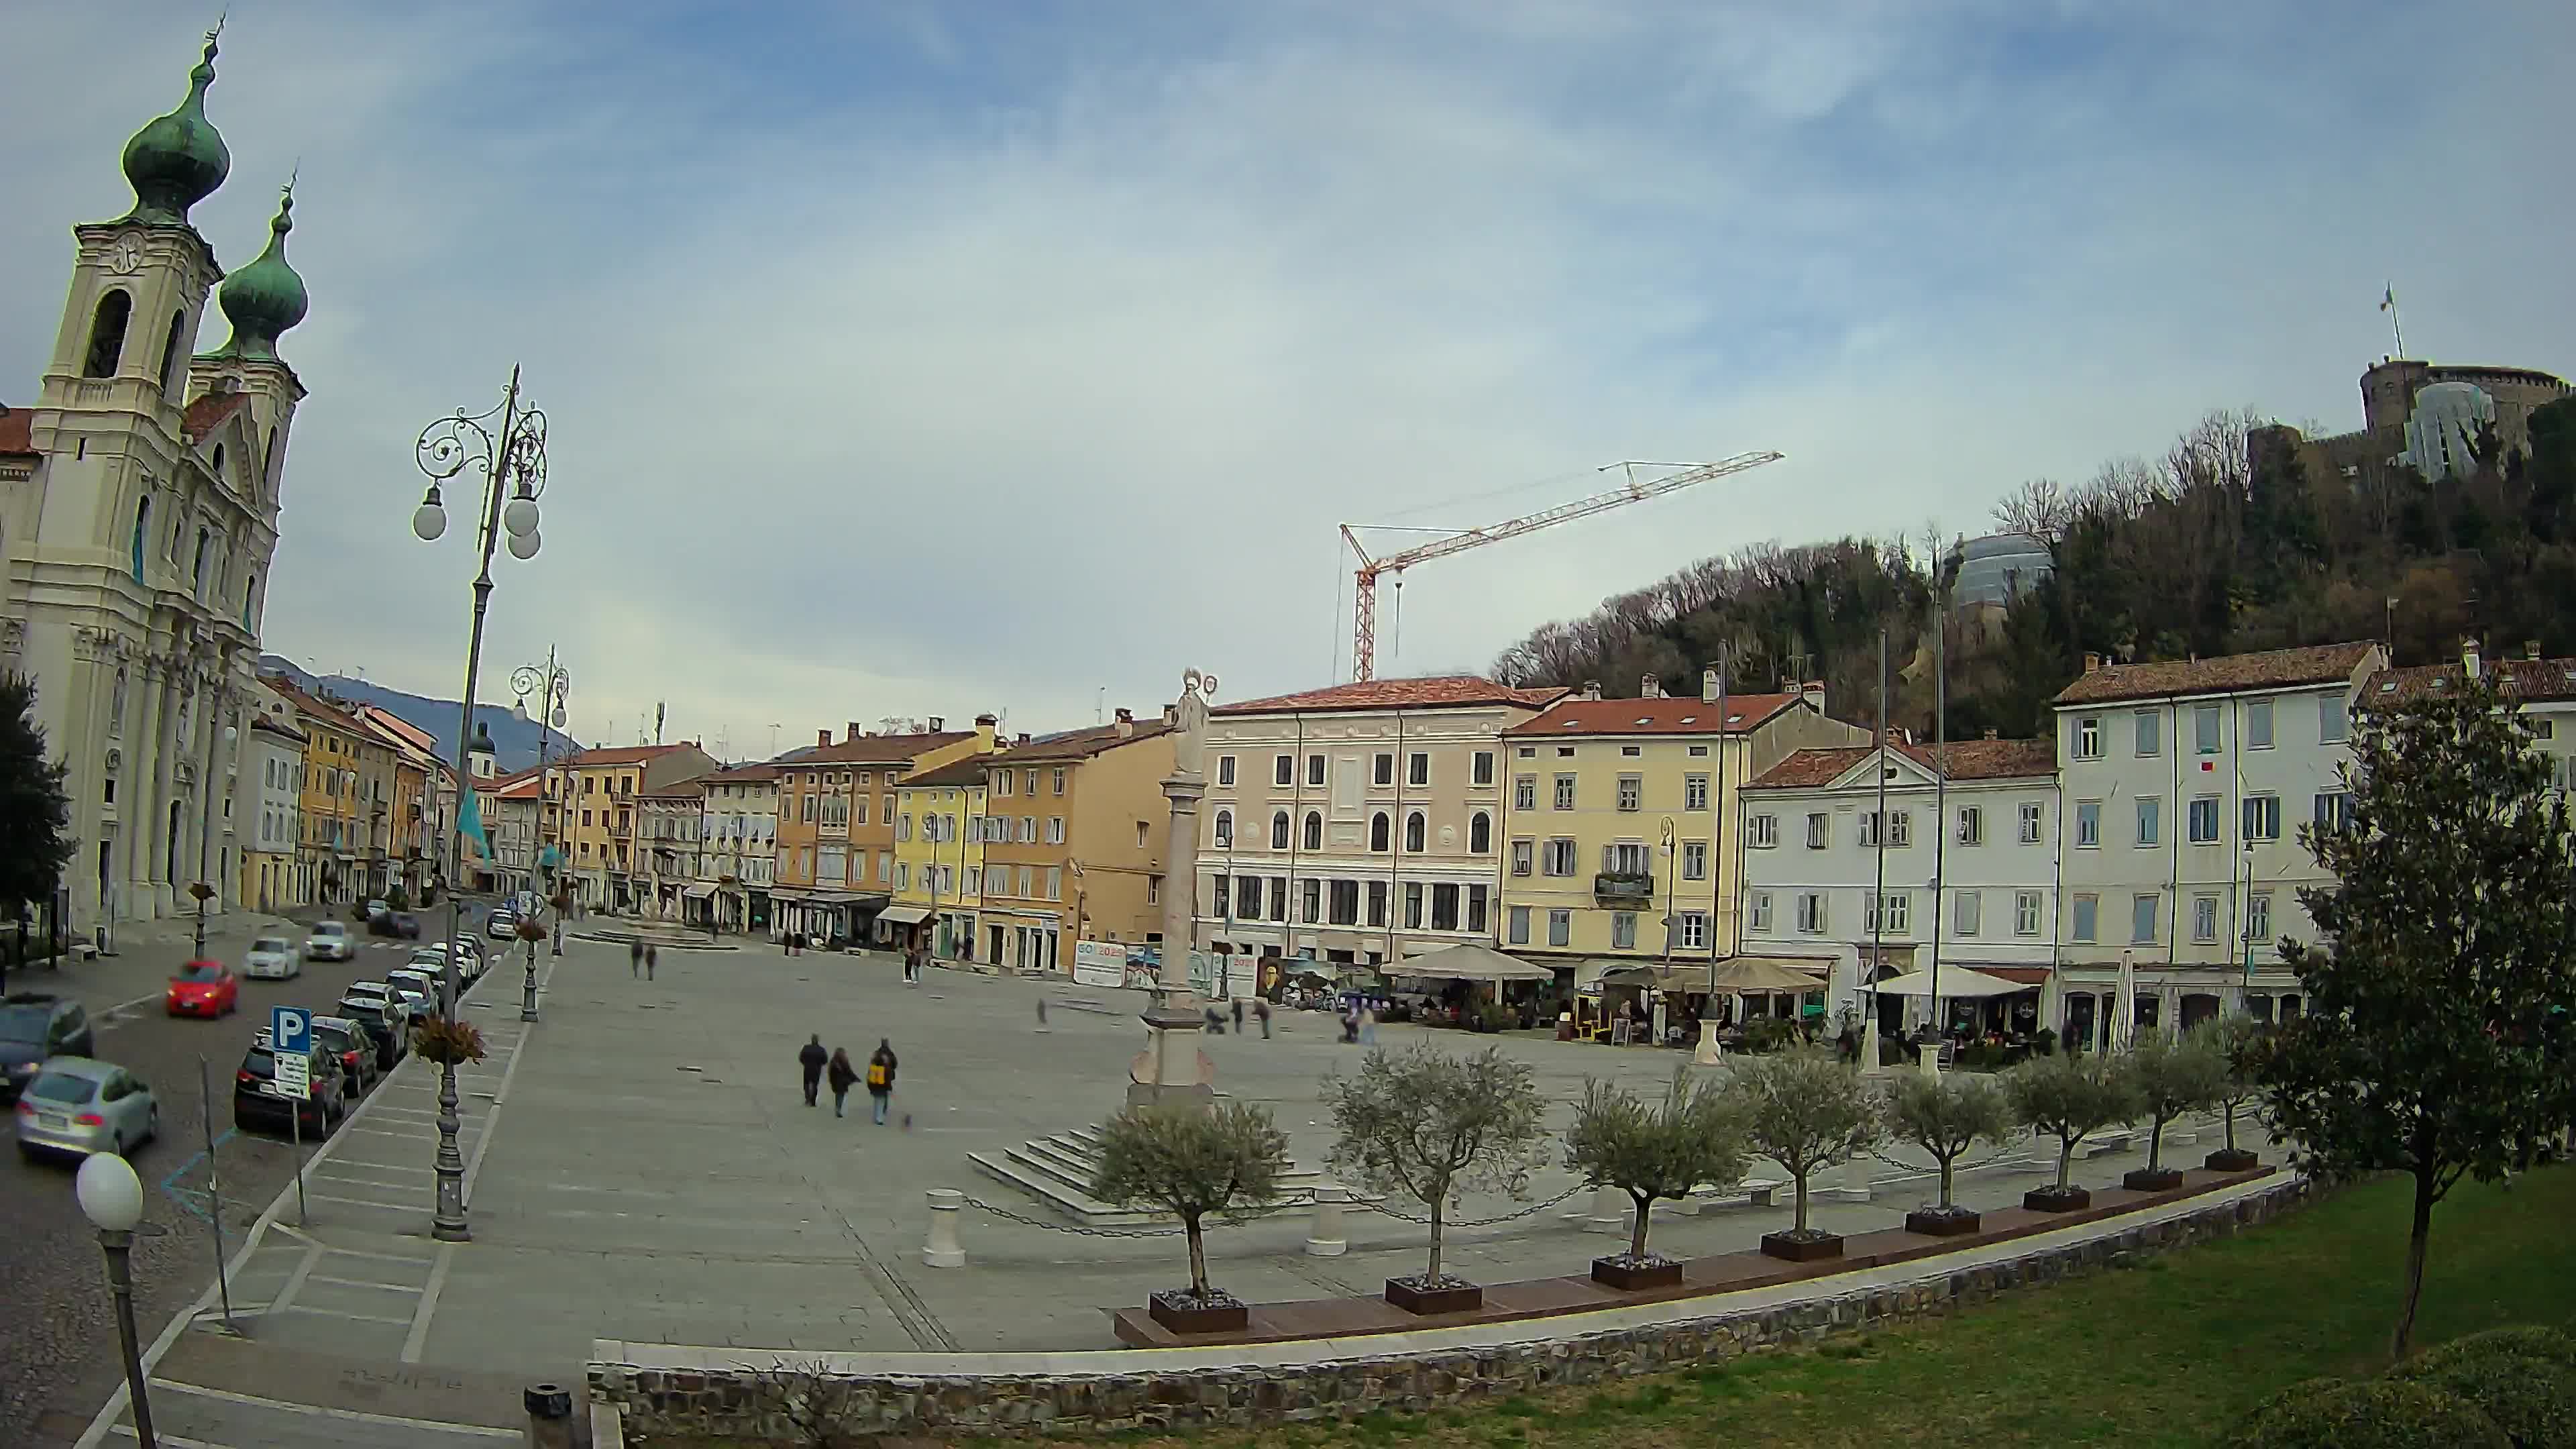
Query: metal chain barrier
(1228, 1220)
(1425, 1219)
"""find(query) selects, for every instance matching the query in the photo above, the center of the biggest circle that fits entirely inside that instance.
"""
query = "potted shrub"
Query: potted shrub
(1651, 1153)
(2070, 1098)
(1945, 1116)
(1806, 1111)
(2239, 1041)
(1433, 1127)
(2171, 1078)
(446, 1043)
(1192, 1161)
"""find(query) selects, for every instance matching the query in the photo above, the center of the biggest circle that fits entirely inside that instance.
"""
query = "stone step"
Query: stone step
(1068, 1201)
(1058, 1171)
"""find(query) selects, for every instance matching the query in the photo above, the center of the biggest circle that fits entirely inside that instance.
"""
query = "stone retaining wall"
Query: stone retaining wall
(758, 1395)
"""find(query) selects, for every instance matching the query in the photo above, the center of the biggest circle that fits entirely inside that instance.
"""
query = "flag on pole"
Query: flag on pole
(469, 824)
(2388, 299)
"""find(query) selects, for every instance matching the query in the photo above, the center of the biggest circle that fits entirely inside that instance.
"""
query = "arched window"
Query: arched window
(268, 456)
(1279, 830)
(1413, 831)
(219, 462)
(107, 334)
(1314, 830)
(1225, 827)
(1480, 833)
(197, 571)
(142, 521)
(1377, 831)
(250, 601)
(170, 352)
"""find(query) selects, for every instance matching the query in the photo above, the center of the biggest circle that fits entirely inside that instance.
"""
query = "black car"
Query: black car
(257, 1103)
(406, 925)
(356, 1049)
(370, 1016)
(35, 1025)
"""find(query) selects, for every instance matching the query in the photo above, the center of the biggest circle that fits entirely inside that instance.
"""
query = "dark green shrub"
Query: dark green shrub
(2523, 1378)
(2385, 1413)
(2044, 1041)
(1770, 1034)
(2527, 1340)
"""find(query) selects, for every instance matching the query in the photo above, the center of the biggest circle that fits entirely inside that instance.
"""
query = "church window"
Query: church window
(107, 334)
(250, 600)
(142, 520)
(219, 462)
(197, 571)
(170, 352)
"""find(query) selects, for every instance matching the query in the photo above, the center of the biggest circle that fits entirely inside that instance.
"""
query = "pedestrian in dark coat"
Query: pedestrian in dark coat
(811, 1059)
(652, 958)
(634, 958)
(1261, 1010)
(881, 1076)
(1238, 1016)
(843, 1074)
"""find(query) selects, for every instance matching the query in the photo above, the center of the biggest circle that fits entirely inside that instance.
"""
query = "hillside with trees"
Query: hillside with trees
(2197, 552)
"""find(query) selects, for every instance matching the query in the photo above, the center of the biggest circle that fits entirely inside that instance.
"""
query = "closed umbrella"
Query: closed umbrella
(2124, 1009)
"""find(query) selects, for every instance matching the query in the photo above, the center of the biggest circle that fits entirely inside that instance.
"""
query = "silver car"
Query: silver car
(272, 958)
(80, 1105)
(329, 942)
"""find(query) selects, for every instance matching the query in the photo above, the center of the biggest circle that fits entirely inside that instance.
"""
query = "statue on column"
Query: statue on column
(1189, 738)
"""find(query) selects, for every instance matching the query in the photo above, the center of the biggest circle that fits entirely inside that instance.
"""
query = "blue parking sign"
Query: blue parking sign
(290, 1030)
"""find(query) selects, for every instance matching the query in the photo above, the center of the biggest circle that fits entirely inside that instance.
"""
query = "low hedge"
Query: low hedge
(2524, 1378)
(2384, 1413)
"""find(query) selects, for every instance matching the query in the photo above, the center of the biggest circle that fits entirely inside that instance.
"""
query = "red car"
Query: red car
(204, 988)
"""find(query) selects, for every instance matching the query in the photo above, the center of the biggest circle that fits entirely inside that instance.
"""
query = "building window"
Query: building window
(1522, 853)
(1559, 859)
(1314, 830)
(1972, 825)
(1413, 832)
(1565, 792)
(1694, 930)
(2086, 925)
(1482, 771)
(1757, 906)
(1345, 906)
(2150, 733)
(1225, 769)
(1221, 899)
(2204, 918)
(2258, 918)
(1279, 830)
(1055, 780)
(2258, 724)
(1444, 906)
(2142, 920)
(1967, 912)
(2334, 724)
(1283, 770)
(1417, 769)
(1560, 927)
(1627, 857)
(2033, 821)
(1623, 930)
(2203, 825)
(1525, 792)
(1762, 832)
(1476, 904)
(1694, 792)
(1314, 769)
(1632, 792)
(2025, 913)
(1378, 832)
(1247, 896)
(1383, 768)
(1694, 860)
(2088, 823)
(1055, 830)
(2204, 729)
(1377, 903)
(2262, 817)
(2150, 818)
(2088, 737)
(2334, 810)
(1820, 830)
(1811, 912)
(1480, 833)
(1224, 829)
(107, 333)
(1518, 925)
(1888, 915)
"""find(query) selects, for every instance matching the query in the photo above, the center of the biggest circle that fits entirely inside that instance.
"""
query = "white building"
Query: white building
(738, 863)
(2184, 784)
(1965, 870)
(138, 512)
(268, 815)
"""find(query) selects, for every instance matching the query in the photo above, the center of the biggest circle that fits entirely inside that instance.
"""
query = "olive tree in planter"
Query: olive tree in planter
(1652, 1152)
(1434, 1127)
(1806, 1111)
(2070, 1098)
(1945, 1116)
(1192, 1162)
(2241, 1042)
(2171, 1077)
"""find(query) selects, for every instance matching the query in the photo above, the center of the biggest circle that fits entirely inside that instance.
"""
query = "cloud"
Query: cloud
(902, 362)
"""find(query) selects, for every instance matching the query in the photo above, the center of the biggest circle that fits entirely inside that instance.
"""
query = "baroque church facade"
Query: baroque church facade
(139, 500)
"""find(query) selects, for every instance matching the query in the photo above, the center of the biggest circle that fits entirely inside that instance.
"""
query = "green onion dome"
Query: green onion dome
(179, 159)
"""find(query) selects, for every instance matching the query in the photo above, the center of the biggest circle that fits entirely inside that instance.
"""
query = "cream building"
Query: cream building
(738, 860)
(141, 501)
(269, 820)
(1359, 823)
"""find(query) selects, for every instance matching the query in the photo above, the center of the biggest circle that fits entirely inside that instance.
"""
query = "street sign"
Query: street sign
(294, 1076)
(290, 1030)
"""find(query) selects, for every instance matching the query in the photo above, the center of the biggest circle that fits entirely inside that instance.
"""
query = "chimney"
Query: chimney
(2469, 655)
(1126, 715)
(2092, 661)
(1126, 724)
(1171, 714)
(1708, 686)
(1592, 689)
(1813, 691)
(1650, 687)
(1023, 739)
(822, 737)
(938, 724)
(985, 726)
(2531, 649)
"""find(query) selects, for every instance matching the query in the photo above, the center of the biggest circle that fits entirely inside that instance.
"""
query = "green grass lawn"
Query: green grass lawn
(2168, 1353)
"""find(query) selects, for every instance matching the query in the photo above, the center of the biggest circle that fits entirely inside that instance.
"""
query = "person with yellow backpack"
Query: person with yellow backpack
(881, 1077)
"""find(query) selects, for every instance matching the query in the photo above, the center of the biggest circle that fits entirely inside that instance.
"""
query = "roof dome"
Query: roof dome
(267, 297)
(179, 159)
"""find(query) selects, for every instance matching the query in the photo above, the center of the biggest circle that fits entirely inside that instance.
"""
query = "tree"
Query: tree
(2430, 1046)
(2070, 1097)
(35, 814)
(2173, 1077)
(2239, 1042)
(1806, 1111)
(1434, 1127)
(1945, 1116)
(1653, 1152)
(1191, 1162)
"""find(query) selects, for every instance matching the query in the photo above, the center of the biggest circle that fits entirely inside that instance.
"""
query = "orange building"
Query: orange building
(835, 863)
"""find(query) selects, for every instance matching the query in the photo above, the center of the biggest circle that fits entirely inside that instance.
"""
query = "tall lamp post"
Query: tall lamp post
(553, 686)
(507, 444)
(112, 1199)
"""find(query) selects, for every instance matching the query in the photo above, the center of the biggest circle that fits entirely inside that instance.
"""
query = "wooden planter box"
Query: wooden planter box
(1404, 1293)
(1183, 1313)
(2231, 1159)
(1802, 1250)
(1934, 1223)
(2056, 1200)
(2160, 1179)
(1633, 1277)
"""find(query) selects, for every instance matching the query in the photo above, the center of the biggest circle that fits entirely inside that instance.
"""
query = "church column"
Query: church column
(139, 794)
(167, 744)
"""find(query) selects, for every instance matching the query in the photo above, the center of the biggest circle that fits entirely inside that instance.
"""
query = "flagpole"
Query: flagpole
(2396, 322)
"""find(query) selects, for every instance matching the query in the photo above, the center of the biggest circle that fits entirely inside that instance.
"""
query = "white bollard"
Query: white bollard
(1326, 1238)
(1852, 1182)
(943, 1251)
(1610, 1209)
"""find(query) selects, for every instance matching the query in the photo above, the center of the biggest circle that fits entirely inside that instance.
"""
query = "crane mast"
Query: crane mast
(1634, 490)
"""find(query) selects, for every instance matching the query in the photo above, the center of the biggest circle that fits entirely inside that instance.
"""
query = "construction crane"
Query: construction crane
(1364, 603)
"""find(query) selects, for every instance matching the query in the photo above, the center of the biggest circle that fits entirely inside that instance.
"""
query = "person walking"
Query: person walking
(634, 958)
(881, 1076)
(1238, 1016)
(652, 958)
(843, 1074)
(1368, 1024)
(1261, 1013)
(811, 1059)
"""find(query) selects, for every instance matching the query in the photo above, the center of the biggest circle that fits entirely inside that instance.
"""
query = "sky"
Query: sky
(915, 359)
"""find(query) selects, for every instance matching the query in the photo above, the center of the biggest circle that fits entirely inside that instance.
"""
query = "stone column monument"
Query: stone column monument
(1172, 1068)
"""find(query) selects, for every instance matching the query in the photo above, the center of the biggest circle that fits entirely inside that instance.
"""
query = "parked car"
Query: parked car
(79, 1105)
(258, 1101)
(387, 1023)
(329, 942)
(351, 1042)
(272, 958)
(503, 925)
(378, 909)
(432, 958)
(420, 989)
(36, 1026)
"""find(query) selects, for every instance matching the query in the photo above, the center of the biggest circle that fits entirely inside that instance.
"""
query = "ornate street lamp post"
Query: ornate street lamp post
(507, 445)
(553, 686)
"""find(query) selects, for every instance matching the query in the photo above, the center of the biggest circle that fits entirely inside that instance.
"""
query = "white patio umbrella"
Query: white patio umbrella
(1956, 981)
(2124, 1009)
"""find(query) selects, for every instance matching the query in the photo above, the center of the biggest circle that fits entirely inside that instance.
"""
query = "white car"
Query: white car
(419, 988)
(272, 958)
(432, 958)
(330, 942)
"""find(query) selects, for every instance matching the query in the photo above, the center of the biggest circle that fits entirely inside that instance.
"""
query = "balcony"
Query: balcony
(1623, 888)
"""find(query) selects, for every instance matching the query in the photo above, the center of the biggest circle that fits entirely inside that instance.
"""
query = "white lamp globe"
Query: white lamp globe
(110, 1195)
(428, 521)
(520, 516)
(525, 545)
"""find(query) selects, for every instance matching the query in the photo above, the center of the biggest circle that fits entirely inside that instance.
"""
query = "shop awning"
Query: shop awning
(698, 892)
(1956, 981)
(1766, 973)
(1469, 962)
(2025, 975)
(905, 915)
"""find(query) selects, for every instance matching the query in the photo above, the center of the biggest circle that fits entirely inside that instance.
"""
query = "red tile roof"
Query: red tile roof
(207, 413)
(17, 431)
(2528, 679)
(620, 755)
(968, 771)
(874, 749)
(1666, 716)
(1448, 691)
(743, 775)
(1079, 744)
(307, 702)
(2270, 669)
(1967, 760)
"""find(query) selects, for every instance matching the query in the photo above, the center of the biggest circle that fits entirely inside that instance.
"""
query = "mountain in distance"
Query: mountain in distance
(515, 741)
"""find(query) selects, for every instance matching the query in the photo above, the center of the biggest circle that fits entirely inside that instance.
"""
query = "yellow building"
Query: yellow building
(1074, 833)
(1620, 813)
(939, 857)
(599, 789)
(332, 841)
(835, 849)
